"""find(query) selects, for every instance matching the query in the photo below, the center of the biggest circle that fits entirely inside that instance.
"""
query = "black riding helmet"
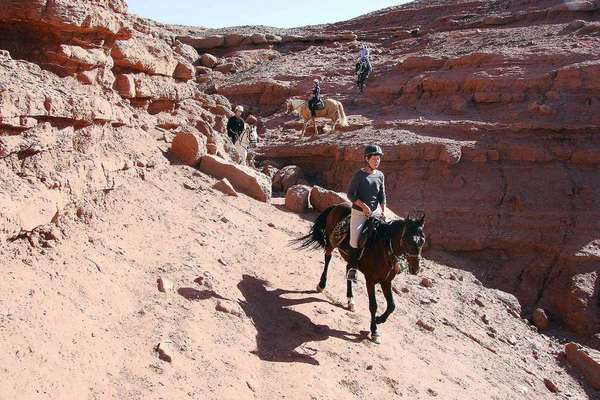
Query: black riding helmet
(373, 150)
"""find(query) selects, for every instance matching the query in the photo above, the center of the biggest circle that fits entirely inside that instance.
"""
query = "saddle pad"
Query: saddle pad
(340, 231)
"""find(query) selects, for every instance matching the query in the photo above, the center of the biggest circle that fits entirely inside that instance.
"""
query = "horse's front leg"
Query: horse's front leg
(316, 128)
(373, 310)
(386, 287)
(323, 281)
(333, 126)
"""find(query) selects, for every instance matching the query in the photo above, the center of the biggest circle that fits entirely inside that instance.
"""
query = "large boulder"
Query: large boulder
(208, 60)
(287, 177)
(243, 179)
(321, 199)
(296, 198)
(189, 147)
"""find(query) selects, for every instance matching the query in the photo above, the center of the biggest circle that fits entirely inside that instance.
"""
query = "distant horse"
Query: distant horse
(333, 110)
(379, 263)
(363, 69)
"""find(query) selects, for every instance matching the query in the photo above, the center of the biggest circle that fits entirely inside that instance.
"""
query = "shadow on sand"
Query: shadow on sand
(281, 332)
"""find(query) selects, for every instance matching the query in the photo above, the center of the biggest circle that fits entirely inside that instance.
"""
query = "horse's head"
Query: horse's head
(408, 239)
(292, 106)
(288, 106)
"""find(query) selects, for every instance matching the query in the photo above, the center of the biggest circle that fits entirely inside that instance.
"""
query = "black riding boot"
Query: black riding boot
(352, 261)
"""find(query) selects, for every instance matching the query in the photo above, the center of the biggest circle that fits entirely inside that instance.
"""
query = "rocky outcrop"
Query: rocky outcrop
(587, 361)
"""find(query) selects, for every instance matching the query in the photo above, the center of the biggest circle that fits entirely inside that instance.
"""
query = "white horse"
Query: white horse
(333, 110)
(246, 143)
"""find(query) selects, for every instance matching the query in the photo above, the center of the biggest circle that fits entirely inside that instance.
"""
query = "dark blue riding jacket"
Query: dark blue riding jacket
(317, 91)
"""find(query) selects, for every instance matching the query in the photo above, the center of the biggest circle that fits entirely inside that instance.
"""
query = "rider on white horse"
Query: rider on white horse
(235, 125)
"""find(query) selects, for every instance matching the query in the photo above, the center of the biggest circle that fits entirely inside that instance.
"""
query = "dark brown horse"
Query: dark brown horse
(379, 262)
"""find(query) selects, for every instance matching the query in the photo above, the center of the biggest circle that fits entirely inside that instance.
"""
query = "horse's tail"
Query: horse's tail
(316, 237)
(342, 115)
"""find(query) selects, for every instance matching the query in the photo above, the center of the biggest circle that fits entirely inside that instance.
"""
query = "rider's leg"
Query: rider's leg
(357, 219)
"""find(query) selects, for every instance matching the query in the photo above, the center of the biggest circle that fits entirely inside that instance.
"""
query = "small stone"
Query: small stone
(272, 225)
(222, 262)
(425, 326)
(165, 350)
(432, 392)
(479, 302)
(190, 185)
(452, 277)
(369, 367)
(224, 220)
(512, 340)
(551, 386)
(164, 285)
(485, 319)
(405, 289)
(426, 282)
(223, 306)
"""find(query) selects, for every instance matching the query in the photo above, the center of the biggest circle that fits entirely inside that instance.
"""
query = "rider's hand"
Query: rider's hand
(367, 211)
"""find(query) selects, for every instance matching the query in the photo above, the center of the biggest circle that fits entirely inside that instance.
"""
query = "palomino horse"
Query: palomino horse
(379, 263)
(333, 110)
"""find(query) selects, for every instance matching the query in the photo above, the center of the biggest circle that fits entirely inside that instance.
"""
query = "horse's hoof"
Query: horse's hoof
(320, 289)
(351, 305)
(376, 338)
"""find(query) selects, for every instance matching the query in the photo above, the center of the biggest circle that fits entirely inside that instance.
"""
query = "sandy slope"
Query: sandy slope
(81, 320)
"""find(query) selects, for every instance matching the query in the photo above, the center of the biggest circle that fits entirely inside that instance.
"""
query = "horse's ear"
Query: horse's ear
(422, 220)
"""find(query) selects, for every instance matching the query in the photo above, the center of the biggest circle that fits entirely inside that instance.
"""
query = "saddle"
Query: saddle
(315, 104)
(341, 232)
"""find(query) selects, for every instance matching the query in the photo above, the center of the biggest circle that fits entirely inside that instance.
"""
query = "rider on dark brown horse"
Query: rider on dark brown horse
(315, 100)
(367, 194)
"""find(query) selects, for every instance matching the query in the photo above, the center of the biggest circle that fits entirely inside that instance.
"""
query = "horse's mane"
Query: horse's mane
(385, 230)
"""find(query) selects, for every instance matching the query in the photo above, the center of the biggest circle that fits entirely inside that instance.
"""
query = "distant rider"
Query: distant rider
(235, 125)
(315, 100)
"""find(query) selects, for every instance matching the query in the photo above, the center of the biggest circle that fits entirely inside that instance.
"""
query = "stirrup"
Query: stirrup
(351, 275)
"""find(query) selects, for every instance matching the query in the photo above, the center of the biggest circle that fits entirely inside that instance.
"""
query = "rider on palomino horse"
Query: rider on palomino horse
(367, 194)
(315, 101)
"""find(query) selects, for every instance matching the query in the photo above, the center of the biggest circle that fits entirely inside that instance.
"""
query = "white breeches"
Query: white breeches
(357, 220)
